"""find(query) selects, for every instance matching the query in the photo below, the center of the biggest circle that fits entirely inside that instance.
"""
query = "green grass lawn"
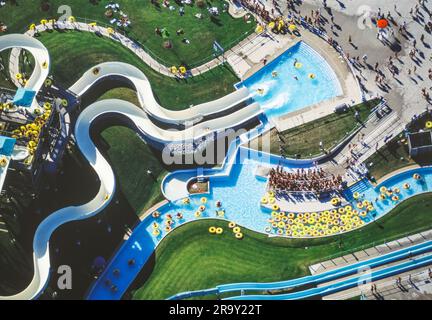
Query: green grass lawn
(190, 258)
(131, 158)
(73, 53)
(393, 156)
(145, 17)
(304, 140)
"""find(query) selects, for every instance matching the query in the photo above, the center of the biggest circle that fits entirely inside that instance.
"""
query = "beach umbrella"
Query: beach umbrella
(292, 27)
(271, 25)
(382, 23)
(110, 30)
(71, 19)
(92, 24)
(32, 26)
(43, 21)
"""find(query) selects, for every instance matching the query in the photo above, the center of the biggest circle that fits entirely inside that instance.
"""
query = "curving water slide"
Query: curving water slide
(139, 118)
(39, 52)
(134, 76)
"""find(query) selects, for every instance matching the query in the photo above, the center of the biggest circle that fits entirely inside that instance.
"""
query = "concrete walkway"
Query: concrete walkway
(135, 48)
(371, 252)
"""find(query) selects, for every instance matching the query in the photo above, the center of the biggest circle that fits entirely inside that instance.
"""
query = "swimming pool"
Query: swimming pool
(241, 207)
(282, 93)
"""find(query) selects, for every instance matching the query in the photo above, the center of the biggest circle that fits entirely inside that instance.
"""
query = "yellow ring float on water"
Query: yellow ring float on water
(312, 76)
(396, 190)
(264, 200)
(356, 195)
(272, 200)
(416, 176)
(298, 65)
(406, 186)
(186, 201)
(197, 214)
(202, 208)
(395, 198)
(156, 232)
(383, 189)
(203, 200)
(275, 207)
(279, 232)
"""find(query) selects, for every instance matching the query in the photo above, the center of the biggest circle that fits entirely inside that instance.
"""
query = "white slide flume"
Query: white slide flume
(39, 52)
(120, 70)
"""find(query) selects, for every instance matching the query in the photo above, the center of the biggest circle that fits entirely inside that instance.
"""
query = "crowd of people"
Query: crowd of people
(257, 8)
(304, 180)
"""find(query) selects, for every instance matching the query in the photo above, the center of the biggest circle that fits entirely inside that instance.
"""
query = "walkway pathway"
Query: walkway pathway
(128, 43)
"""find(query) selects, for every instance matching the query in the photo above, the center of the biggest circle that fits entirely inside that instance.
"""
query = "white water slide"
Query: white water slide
(139, 118)
(39, 52)
(134, 77)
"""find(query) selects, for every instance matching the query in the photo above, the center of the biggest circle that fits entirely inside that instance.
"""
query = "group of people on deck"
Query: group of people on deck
(304, 180)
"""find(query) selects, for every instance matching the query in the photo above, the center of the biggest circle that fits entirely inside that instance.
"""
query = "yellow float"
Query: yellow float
(174, 70)
(271, 25)
(275, 207)
(335, 201)
(182, 70)
(197, 214)
(18, 76)
(156, 232)
(259, 29)
(264, 200)
(298, 65)
(236, 230)
(292, 27)
(416, 176)
(239, 235)
(312, 76)
(272, 200)
(219, 230)
(395, 198)
(212, 230)
(383, 189)
(3, 162)
(356, 195)
(429, 125)
(406, 186)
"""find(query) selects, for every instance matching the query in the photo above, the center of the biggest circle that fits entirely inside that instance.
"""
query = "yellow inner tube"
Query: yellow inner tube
(203, 200)
(219, 230)
(231, 225)
(236, 230)
(212, 230)
(275, 207)
(298, 65)
(239, 235)
(407, 186)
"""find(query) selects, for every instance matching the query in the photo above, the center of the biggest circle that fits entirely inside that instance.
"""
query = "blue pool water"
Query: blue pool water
(283, 94)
